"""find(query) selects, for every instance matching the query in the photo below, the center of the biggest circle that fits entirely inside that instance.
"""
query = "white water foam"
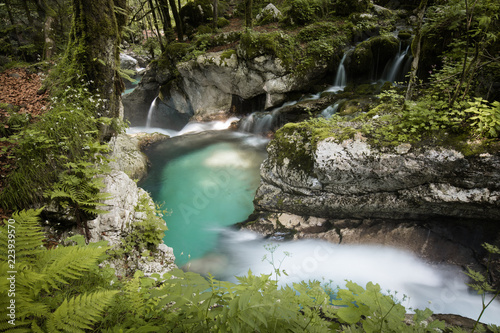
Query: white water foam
(439, 288)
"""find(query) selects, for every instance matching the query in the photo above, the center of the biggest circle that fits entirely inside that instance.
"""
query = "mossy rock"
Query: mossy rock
(222, 22)
(362, 59)
(347, 7)
(300, 12)
(197, 12)
(317, 31)
(374, 51)
(177, 51)
(204, 29)
(404, 34)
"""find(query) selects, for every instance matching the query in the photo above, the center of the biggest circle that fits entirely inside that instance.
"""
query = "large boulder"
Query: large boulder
(433, 201)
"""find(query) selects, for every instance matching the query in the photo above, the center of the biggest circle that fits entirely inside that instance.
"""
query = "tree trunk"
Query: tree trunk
(28, 12)
(93, 51)
(177, 18)
(167, 22)
(248, 13)
(416, 55)
(155, 21)
(49, 43)
(216, 13)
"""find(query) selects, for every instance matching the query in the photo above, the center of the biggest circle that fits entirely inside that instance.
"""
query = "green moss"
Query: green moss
(283, 46)
(177, 51)
(227, 54)
(347, 7)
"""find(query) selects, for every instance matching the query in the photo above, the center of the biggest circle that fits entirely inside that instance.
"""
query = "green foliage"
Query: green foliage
(372, 311)
(300, 12)
(43, 281)
(278, 44)
(66, 137)
(188, 302)
(271, 248)
(482, 285)
(484, 117)
(146, 233)
(15, 121)
(318, 30)
(347, 7)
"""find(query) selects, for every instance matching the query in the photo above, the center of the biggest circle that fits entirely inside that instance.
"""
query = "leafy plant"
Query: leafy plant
(271, 248)
(482, 285)
(79, 190)
(67, 133)
(41, 277)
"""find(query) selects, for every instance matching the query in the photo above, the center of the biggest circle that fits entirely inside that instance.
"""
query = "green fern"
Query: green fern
(67, 263)
(43, 277)
(79, 312)
(25, 234)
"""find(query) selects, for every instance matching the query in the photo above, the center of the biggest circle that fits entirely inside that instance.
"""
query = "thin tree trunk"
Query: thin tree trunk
(469, 14)
(216, 13)
(416, 56)
(28, 12)
(177, 18)
(248, 14)
(155, 21)
(49, 43)
(167, 21)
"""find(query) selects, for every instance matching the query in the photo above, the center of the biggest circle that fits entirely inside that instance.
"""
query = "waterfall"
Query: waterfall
(152, 109)
(331, 110)
(393, 68)
(341, 77)
(261, 122)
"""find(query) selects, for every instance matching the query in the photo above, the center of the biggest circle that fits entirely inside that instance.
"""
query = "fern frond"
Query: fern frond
(25, 226)
(63, 264)
(80, 312)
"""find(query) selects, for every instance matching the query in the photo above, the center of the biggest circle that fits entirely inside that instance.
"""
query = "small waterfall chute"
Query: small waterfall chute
(262, 122)
(341, 77)
(330, 111)
(151, 110)
(394, 67)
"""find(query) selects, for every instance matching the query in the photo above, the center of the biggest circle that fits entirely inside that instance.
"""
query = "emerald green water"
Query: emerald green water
(206, 181)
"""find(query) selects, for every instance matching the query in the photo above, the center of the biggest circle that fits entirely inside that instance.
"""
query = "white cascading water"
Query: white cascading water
(331, 110)
(393, 68)
(151, 110)
(417, 284)
(262, 122)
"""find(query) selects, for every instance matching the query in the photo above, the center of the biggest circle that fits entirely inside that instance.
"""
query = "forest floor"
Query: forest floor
(20, 90)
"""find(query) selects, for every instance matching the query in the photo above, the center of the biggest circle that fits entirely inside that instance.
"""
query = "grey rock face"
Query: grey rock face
(114, 226)
(208, 85)
(128, 62)
(127, 157)
(353, 180)
(432, 201)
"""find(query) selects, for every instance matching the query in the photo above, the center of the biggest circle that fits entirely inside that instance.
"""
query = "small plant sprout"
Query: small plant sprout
(271, 248)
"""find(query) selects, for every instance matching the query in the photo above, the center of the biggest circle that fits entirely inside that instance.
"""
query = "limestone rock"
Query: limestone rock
(430, 200)
(120, 206)
(114, 226)
(271, 12)
(210, 83)
(351, 179)
(127, 62)
(126, 156)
